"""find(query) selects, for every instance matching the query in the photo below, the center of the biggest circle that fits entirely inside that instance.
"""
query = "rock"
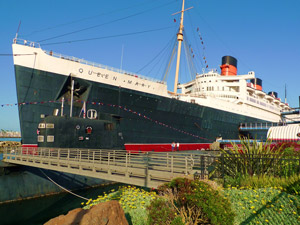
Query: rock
(107, 213)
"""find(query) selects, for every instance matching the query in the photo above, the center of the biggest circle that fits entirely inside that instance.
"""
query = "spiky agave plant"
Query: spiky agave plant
(249, 158)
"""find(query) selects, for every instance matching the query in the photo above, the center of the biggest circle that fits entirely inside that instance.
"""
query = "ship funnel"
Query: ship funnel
(273, 94)
(257, 83)
(229, 66)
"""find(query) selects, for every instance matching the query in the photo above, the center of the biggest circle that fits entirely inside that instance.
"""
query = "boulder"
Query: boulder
(107, 213)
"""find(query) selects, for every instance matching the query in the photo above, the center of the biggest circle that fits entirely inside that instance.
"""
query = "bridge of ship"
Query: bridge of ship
(142, 169)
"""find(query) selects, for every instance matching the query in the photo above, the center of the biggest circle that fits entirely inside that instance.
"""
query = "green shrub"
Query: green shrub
(197, 202)
(161, 212)
(177, 221)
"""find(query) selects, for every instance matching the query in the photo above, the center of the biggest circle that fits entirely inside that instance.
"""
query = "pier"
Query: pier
(142, 169)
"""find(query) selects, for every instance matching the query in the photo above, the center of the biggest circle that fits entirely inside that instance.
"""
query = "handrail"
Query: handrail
(149, 169)
(82, 61)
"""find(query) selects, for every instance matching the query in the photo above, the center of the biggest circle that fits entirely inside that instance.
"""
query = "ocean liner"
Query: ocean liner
(69, 102)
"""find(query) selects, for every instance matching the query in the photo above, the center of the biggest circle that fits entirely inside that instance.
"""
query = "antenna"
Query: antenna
(18, 30)
(122, 57)
(285, 94)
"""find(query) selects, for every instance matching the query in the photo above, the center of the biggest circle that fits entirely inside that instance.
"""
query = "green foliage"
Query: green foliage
(254, 158)
(264, 206)
(197, 202)
(178, 220)
(161, 212)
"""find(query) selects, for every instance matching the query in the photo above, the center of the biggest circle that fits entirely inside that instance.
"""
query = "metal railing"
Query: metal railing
(143, 169)
(82, 61)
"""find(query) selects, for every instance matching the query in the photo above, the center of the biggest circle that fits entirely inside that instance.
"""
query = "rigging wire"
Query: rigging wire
(156, 56)
(164, 56)
(189, 58)
(170, 63)
(217, 36)
(159, 55)
(171, 54)
(110, 36)
(87, 18)
(196, 42)
(79, 196)
(192, 68)
(113, 21)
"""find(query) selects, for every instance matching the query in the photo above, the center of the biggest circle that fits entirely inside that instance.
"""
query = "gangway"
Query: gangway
(142, 169)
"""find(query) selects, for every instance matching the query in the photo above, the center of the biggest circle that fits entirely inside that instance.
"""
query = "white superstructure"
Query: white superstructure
(235, 94)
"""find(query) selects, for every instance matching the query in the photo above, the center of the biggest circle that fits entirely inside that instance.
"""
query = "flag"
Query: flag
(83, 110)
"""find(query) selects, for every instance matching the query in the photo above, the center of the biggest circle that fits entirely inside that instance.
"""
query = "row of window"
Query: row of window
(46, 125)
(210, 88)
(41, 138)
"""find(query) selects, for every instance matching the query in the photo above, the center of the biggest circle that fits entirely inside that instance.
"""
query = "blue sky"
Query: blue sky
(263, 35)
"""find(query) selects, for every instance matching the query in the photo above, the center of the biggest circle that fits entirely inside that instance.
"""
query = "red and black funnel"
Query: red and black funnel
(257, 83)
(229, 66)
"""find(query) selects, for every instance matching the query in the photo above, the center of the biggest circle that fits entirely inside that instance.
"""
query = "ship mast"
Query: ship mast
(179, 39)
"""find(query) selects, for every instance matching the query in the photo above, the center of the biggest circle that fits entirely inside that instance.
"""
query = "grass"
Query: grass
(264, 206)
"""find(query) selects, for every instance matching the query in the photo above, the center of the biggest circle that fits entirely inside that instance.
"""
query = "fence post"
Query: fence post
(100, 156)
(147, 171)
(172, 164)
(186, 165)
(167, 160)
(114, 158)
(222, 165)
(108, 167)
(94, 157)
(126, 165)
(58, 156)
(202, 167)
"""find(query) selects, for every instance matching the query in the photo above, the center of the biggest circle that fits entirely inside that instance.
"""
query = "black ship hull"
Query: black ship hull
(137, 117)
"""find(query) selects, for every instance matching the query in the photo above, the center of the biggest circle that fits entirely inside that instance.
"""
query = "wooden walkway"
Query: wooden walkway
(141, 169)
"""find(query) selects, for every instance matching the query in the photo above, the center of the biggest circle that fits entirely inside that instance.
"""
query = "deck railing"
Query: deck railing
(82, 61)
